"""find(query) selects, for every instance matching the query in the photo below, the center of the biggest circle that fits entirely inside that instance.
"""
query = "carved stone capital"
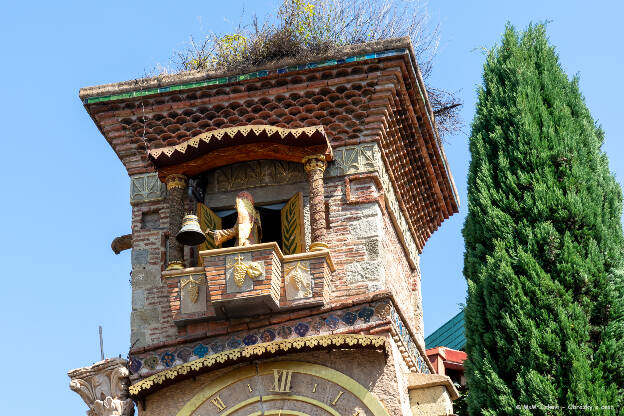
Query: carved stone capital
(314, 162)
(104, 387)
(176, 181)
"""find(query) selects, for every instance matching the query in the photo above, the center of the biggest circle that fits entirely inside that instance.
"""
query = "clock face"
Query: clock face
(284, 388)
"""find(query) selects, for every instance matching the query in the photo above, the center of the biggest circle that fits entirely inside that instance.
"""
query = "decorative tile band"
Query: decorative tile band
(204, 364)
(244, 77)
(351, 319)
(414, 355)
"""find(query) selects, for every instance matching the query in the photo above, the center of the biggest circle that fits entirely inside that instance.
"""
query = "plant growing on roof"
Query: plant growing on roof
(304, 29)
(544, 253)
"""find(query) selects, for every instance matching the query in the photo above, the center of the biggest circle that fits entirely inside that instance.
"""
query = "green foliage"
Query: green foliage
(302, 28)
(460, 405)
(544, 254)
(305, 29)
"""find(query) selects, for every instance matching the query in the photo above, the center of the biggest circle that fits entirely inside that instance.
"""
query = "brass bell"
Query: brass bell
(190, 234)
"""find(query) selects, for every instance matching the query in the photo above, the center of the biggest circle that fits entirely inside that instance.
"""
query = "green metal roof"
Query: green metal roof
(450, 335)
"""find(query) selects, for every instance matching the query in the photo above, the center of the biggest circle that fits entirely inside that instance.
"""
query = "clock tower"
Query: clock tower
(278, 217)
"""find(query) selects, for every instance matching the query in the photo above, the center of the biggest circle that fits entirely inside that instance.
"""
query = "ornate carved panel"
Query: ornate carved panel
(193, 293)
(297, 280)
(253, 174)
(355, 159)
(241, 271)
(146, 187)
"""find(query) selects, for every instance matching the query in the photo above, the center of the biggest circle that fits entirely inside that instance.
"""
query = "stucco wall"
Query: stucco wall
(371, 369)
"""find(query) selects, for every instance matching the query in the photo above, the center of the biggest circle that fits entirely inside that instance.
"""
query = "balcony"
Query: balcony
(247, 281)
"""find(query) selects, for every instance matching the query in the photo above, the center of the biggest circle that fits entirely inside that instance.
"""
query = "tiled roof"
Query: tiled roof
(378, 97)
(450, 335)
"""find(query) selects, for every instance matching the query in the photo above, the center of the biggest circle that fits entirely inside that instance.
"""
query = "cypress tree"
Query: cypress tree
(544, 245)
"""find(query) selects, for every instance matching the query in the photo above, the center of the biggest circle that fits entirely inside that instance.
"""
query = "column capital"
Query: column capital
(314, 162)
(104, 387)
(176, 181)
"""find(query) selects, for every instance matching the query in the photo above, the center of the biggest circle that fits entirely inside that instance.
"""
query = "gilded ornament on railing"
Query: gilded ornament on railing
(192, 287)
(298, 280)
(241, 270)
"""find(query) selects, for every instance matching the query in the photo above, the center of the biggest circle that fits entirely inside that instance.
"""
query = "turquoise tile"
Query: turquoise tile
(244, 77)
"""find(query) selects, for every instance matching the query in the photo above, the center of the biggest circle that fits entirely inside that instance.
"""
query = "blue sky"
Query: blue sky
(65, 193)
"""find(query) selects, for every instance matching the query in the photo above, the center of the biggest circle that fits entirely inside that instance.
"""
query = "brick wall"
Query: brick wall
(150, 310)
(364, 246)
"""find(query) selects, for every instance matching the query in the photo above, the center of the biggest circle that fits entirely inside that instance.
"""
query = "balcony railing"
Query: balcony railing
(247, 281)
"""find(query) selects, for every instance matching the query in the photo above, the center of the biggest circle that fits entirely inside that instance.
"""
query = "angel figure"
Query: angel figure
(248, 228)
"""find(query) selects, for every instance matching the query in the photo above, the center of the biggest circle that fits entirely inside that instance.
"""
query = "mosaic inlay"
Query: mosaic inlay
(244, 77)
(348, 319)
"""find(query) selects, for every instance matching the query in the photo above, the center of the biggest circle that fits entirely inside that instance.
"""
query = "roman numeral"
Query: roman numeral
(218, 403)
(336, 399)
(281, 381)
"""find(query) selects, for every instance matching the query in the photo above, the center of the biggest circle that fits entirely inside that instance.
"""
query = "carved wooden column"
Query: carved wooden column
(315, 167)
(176, 188)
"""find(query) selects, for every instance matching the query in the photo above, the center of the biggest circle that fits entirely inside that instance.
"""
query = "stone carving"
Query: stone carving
(192, 287)
(146, 187)
(298, 280)
(104, 388)
(193, 293)
(248, 228)
(367, 158)
(239, 268)
(355, 159)
(253, 174)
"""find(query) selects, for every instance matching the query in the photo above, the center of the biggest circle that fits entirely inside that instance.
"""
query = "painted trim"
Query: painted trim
(348, 341)
(243, 77)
